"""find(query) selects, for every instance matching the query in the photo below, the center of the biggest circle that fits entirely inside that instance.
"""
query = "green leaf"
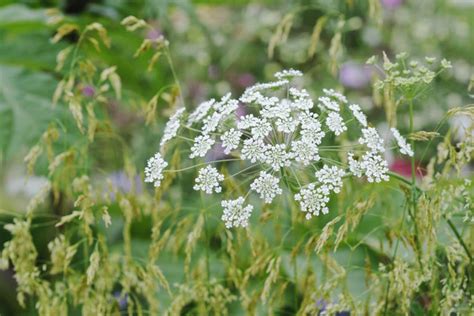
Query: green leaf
(6, 128)
(25, 107)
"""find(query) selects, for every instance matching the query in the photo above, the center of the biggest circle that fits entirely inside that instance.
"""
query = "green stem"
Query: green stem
(295, 294)
(175, 77)
(450, 223)
(393, 257)
(413, 185)
(458, 236)
(208, 266)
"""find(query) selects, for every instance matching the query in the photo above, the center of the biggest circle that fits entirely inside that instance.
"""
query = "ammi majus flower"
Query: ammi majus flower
(286, 145)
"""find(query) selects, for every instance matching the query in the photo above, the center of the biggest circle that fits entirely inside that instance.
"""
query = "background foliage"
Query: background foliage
(167, 250)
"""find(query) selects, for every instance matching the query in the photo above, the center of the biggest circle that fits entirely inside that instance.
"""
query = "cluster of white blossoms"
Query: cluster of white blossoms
(267, 186)
(208, 180)
(279, 145)
(405, 148)
(235, 213)
(154, 169)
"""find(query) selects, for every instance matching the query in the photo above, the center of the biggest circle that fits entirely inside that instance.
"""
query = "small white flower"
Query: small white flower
(330, 178)
(326, 103)
(303, 104)
(288, 74)
(262, 129)
(308, 118)
(302, 99)
(208, 180)
(375, 167)
(202, 144)
(405, 148)
(372, 139)
(247, 121)
(225, 98)
(172, 126)
(211, 123)
(277, 156)
(154, 169)
(200, 112)
(286, 125)
(230, 140)
(335, 123)
(313, 201)
(268, 85)
(229, 107)
(299, 94)
(280, 109)
(358, 114)
(235, 214)
(354, 166)
(311, 129)
(267, 186)
(336, 95)
(252, 94)
(253, 150)
(305, 151)
(267, 101)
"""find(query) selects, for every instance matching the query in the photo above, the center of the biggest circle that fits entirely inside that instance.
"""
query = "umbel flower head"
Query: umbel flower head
(286, 146)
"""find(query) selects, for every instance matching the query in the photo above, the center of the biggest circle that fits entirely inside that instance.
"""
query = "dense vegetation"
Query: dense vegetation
(360, 201)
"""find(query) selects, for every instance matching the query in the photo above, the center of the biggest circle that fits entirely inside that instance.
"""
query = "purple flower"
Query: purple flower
(121, 299)
(122, 183)
(88, 91)
(391, 4)
(241, 110)
(216, 153)
(322, 305)
(354, 75)
(154, 34)
(245, 80)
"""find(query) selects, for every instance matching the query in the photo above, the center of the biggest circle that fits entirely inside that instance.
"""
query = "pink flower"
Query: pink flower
(403, 168)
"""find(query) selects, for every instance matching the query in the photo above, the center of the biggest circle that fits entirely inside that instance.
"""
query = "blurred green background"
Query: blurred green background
(216, 46)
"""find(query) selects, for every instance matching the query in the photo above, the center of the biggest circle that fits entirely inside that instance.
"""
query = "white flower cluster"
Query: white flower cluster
(371, 164)
(405, 148)
(282, 139)
(288, 74)
(154, 169)
(267, 186)
(171, 128)
(314, 198)
(235, 213)
(208, 180)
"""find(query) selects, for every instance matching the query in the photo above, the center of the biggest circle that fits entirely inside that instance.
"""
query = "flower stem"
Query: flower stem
(450, 223)
(413, 187)
(458, 236)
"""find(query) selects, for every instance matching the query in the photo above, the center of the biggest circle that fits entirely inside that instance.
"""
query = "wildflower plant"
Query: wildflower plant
(286, 142)
(400, 243)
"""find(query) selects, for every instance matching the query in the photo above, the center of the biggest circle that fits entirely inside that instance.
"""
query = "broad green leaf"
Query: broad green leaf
(25, 107)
